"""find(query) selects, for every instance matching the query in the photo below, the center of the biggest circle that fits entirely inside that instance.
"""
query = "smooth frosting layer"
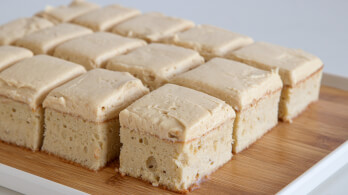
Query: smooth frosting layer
(238, 84)
(211, 41)
(10, 55)
(16, 29)
(45, 41)
(106, 17)
(67, 13)
(152, 26)
(176, 113)
(30, 80)
(95, 49)
(97, 96)
(294, 65)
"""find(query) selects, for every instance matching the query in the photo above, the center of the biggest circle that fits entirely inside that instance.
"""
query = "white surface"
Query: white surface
(317, 26)
(328, 176)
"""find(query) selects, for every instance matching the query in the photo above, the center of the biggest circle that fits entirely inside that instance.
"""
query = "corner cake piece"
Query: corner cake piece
(300, 71)
(93, 50)
(14, 30)
(67, 13)
(254, 94)
(81, 116)
(210, 41)
(45, 41)
(175, 136)
(156, 63)
(105, 18)
(23, 87)
(152, 27)
(10, 55)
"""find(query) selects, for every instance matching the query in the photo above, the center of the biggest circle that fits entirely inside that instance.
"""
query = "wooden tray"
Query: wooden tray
(267, 166)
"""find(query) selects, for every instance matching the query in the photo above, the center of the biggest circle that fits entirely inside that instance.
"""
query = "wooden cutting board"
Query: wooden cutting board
(267, 166)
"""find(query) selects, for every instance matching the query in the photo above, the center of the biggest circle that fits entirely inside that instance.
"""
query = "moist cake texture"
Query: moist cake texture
(12, 31)
(67, 13)
(81, 116)
(156, 63)
(175, 136)
(253, 93)
(23, 87)
(46, 40)
(92, 51)
(10, 55)
(300, 72)
(210, 41)
(152, 27)
(105, 18)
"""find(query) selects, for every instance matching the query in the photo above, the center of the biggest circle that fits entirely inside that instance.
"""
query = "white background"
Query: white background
(317, 26)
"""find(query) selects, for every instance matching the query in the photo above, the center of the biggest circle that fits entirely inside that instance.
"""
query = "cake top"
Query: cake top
(152, 26)
(67, 13)
(44, 41)
(10, 54)
(30, 80)
(16, 29)
(294, 65)
(238, 84)
(160, 59)
(211, 40)
(106, 17)
(176, 113)
(97, 96)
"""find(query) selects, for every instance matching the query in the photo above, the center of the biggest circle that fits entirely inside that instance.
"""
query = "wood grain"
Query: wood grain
(267, 166)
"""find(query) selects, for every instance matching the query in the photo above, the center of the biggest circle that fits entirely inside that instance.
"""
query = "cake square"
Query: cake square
(67, 13)
(175, 136)
(46, 40)
(210, 41)
(12, 31)
(300, 71)
(156, 63)
(152, 27)
(253, 93)
(81, 116)
(10, 55)
(92, 51)
(23, 87)
(105, 18)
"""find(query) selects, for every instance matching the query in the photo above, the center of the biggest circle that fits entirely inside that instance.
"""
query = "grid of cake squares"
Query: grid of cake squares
(171, 99)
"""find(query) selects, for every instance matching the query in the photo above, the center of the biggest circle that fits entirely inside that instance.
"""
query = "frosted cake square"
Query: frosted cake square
(156, 63)
(253, 93)
(46, 40)
(23, 87)
(300, 71)
(81, 116)
(92, 51)
(175, 136)
(152, 27)
(10, 55)
(105, 18)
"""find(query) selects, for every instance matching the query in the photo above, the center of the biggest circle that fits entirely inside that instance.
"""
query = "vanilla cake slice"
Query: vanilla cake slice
(23, 87)
(10, 55)
(253, 93)
(175, 136)
(81, 116)
(300, 71)
(155, 64)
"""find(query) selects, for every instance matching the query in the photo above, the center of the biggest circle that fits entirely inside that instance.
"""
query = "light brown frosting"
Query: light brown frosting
(30, 80)
(236, 83)
(10, 55)
(294, 64)
(16, 29)
(176, 113)
(106, 17)
(97, 96)
(152, 26)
